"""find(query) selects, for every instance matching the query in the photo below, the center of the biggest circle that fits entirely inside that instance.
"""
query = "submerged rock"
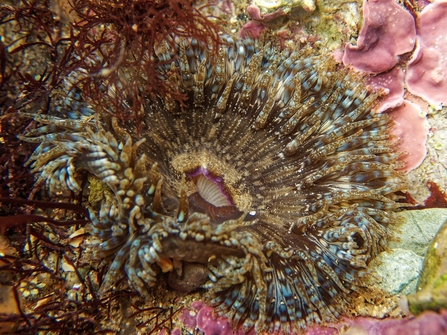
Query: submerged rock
(418, 228)
(397, 270)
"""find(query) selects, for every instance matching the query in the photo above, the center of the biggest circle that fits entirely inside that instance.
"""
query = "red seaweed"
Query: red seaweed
(437, 198)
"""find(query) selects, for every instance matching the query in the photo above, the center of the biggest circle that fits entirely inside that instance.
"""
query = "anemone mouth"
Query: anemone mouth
(211, 189)
(211, 197)
(210, 177)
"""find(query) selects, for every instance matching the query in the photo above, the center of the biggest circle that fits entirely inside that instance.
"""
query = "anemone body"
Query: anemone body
(273, 173)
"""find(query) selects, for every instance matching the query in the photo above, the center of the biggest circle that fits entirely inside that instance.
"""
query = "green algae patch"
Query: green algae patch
(432, 286)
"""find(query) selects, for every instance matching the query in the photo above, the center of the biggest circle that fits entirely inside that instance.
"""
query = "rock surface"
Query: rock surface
(418, 228)
(398, 269)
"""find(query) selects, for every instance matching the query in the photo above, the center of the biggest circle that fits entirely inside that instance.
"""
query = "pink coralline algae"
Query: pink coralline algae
(428, 323)
(252, 29)
(423, 3)
(427, 71)
(412, 129)
(259, 21)
(411, 125)
(393, 84)
(388, 31)
(203, 318)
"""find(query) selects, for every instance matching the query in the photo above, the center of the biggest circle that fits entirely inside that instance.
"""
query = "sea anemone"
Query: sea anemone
(273, 174)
